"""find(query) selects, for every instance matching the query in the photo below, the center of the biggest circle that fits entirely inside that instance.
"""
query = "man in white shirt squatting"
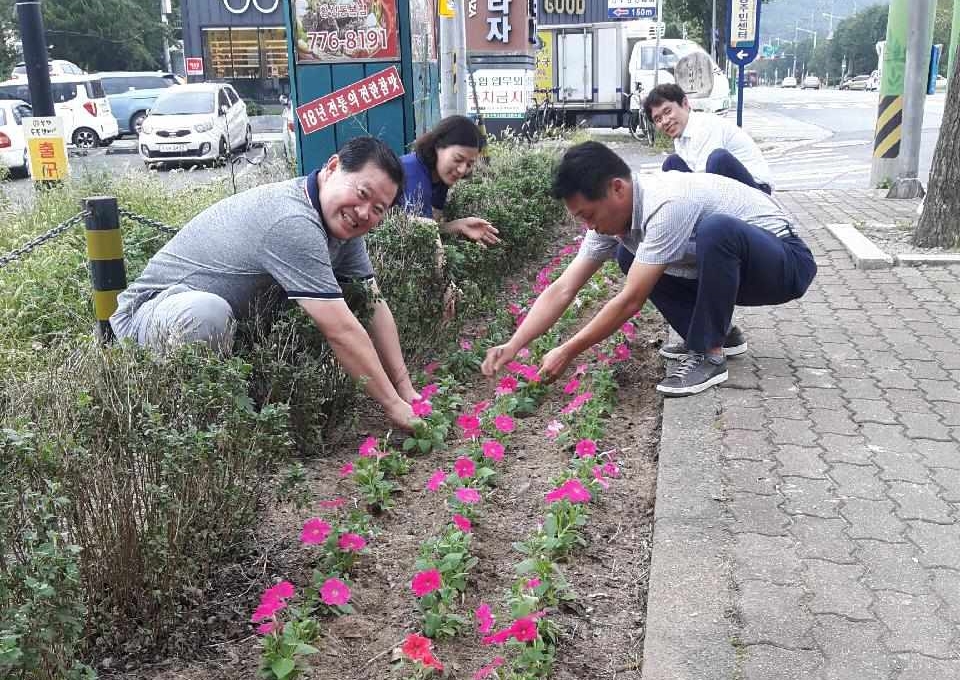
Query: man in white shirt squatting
(705, 142)
(700, 243)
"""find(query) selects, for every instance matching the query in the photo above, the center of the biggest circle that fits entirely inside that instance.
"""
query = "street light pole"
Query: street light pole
(713, 33)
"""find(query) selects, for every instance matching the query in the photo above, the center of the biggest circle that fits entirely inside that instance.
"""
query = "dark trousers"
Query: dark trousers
(737, 264)
(720, 162)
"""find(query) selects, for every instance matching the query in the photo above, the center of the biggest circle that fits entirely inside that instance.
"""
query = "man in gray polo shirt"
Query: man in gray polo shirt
(301, 236)
(699, 245)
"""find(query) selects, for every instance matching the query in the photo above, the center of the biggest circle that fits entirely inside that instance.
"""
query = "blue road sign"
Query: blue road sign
(631, 12)
(768, 51)
(743, 34)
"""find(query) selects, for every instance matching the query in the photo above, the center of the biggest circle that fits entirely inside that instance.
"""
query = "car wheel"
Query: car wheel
(85, 138)
(136, 122)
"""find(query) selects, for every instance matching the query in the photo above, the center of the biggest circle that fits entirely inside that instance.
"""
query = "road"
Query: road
(822, 139)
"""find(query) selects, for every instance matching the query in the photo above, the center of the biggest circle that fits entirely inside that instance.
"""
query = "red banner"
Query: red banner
(350, 100)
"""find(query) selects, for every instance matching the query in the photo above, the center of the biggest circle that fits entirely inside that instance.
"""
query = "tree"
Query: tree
(939, 224)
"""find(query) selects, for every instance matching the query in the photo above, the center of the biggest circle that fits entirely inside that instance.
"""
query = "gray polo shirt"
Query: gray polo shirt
(245, 245)
(666, 210)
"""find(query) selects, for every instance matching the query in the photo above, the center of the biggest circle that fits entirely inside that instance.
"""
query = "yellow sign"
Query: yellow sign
(543, 77)
(47, 147)
(446, 8)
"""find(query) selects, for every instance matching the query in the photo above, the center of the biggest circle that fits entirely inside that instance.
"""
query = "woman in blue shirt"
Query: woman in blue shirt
(442, 157)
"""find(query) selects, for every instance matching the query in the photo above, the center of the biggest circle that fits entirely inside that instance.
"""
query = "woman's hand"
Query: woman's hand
(476, 229)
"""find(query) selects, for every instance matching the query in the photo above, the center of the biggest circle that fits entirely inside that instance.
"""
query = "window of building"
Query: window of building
(274, 45)
(238, 53)
(218, 60)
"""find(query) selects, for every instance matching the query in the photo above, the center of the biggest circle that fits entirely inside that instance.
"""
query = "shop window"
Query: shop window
(218, 60)
(274, 46)
(246, 52)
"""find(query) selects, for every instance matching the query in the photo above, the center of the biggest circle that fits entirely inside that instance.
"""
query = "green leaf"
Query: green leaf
(282, 668)
(526, 566)
(304, 648)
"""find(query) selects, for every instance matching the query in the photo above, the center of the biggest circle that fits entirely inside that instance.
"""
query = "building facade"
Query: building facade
(243, 42)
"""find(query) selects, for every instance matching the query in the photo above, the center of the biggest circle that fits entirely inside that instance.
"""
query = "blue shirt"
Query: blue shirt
(420, 193)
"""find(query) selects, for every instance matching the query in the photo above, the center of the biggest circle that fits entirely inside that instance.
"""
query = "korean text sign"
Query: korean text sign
(47, 147)
(350, 100)
(351, 30)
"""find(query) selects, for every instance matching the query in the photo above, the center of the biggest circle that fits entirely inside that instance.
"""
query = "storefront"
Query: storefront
(243, 42)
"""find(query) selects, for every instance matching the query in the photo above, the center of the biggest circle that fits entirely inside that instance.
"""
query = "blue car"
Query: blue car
(132, 93)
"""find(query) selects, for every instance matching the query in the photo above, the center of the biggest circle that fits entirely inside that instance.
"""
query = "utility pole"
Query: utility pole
(713, 32)
(35, 57)
(165, 9)
(886, 144)
(447, 10)
(461, 72)
(919, 39)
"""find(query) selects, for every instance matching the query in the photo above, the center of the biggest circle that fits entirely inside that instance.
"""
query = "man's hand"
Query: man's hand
(477, 230)
(407, 393)
(555, 362)
(401, 415)
(497, 357)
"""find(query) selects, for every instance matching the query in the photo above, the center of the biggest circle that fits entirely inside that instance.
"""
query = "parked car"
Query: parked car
(289, 130)
(873, 83)
(13, 144)
(810, 83)
(855, 83)
(200, 122)
(132, 93)
(58, 67)
(789, 81)
(82, 105)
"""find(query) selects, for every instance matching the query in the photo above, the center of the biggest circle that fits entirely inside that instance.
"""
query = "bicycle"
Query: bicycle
(640, 126)
(538, 117)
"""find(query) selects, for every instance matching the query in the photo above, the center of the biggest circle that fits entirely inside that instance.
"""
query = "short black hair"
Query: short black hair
(668, 92)
(587, 169)
(451, 131)
(359, 151)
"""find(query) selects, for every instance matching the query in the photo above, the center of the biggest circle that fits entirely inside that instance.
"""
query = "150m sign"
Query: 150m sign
(564, 6)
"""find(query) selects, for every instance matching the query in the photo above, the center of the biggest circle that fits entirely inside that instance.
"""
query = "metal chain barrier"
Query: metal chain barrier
(35, 243)
(146, 221)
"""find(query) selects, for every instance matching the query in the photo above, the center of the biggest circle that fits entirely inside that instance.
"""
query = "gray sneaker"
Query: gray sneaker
(695, 373)
(733, 345)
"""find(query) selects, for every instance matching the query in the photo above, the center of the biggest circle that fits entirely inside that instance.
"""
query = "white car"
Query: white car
(789, 81)
(80, 102)
(202, 122)
(13, 144)
(811, 83)
(57, 67)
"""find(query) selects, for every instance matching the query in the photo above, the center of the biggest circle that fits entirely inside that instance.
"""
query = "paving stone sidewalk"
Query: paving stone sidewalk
(807, 511)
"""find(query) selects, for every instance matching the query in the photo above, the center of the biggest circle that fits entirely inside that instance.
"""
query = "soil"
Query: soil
(603, 631)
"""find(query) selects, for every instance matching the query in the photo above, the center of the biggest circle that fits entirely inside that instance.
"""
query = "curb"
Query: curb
(866, 255)
(690, 638)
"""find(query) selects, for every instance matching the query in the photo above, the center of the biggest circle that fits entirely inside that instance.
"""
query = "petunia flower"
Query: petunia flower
(346, 470)
(553, 429)
(352, 542)
(436, 480)
(523, 353)
(333, 503)
(484, 618)
(492, 449)
(334, 592)
(503, 423)
(425, 582)
(421, 409)
(506, 385)
(611, 470)
(428, 391)
(621, 352)
(598, 476)
(514, 309)
(462, 523)
(415, 646)
(480, 407)
(315, 531)
(431, 368)
(531, 374)
(586, 448)
(368, 447)
(581, 369)
(464, 467)
(514, 366)
(489, 669)
(629, 330)
(268, 627)
(571, 386)
(468, 495)
(466, 345)
(533, 583)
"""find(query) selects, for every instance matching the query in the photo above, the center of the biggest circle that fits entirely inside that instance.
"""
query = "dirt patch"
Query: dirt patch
(603, 629)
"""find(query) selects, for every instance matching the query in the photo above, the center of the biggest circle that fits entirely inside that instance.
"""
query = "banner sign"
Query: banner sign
(744, 30)
(194, 66)
(355, 30)
(350, 100)
(47, 147)
(502, 93)
(631, 9)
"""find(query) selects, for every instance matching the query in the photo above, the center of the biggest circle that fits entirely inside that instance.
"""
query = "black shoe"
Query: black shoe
(733, 345)
(695, 373)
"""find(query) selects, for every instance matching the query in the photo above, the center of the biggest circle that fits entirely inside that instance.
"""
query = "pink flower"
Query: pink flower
(489, 669)
(524, 630)
(524, 353)
(629, 330)
(568, 250)
(346, 470)
(514, 367)
(485, 618)
(514, 309)
(368, 447)
(314, 531)
(480, 407)
(611, 470)
(621, 352)
(553, 429)
(520, 319)
(421, 409)
(334, 592)
(266, 610)
(333, 503)
(533, 583)
(462, 523)
(431, 368)
(555, 495)
(577, 402)
(469, 424)
(581, 370)
(466, 345)
(598, 475)
(268, 627)
(464, 468)
(272, 601)
(492, 449)
(425, 582)
(436, 480)
(468, 495)
(571, 386)
(352, 542)
(428, 391)
(506, 385)
(586, 448)
(573, 490)
(503, 423)
(530, 373)
(417, 647)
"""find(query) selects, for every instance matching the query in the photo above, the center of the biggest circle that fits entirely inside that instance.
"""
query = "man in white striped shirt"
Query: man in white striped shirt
(699, 245)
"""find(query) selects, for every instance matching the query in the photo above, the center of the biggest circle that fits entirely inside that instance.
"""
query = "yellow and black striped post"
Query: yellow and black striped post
(108, 274)
(886, 143)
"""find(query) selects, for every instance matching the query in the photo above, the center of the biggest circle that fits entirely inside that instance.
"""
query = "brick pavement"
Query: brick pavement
(807, 510)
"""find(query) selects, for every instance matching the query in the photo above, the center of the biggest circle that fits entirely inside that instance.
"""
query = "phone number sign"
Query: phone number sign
(350, 100)
(347, 30)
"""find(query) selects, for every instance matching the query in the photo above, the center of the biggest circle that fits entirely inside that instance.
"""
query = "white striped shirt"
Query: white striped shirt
(666, 210)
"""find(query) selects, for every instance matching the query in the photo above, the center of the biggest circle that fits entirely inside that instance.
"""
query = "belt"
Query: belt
(785, 231)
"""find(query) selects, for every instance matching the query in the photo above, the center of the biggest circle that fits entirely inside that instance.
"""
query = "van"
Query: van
(132, 93)
(82, 105)
(643, 64)
(57, 67)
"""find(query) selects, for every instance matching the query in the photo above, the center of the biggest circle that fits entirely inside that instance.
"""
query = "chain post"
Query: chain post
(108, 273)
